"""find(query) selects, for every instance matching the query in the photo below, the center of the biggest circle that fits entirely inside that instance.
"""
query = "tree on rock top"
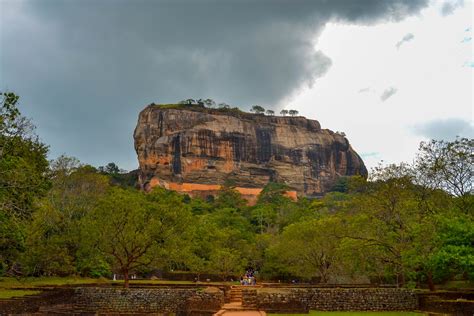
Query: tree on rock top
(257, 109)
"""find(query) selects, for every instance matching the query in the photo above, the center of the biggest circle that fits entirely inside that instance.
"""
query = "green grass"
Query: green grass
(4, 293)
(11, 287)
(356, 314)
(31, 282)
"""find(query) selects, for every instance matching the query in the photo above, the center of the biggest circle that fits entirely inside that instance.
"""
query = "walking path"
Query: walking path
(235, 308)
(242, 313)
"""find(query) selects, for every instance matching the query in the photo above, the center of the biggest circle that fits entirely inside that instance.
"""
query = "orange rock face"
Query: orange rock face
(195, 151)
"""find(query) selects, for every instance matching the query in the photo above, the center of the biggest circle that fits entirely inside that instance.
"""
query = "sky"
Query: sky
(387, 73)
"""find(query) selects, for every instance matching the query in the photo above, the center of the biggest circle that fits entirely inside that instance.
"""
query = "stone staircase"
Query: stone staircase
(236, 294)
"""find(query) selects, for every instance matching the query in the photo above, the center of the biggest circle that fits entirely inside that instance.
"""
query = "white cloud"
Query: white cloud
(429, 75)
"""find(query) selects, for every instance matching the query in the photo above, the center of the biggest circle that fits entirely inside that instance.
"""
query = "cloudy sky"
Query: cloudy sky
(388, 73)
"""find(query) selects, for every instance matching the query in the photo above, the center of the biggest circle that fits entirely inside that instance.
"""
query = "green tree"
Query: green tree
(228, 197)
(455, 255)
(227, 262)
(257, 109)
(54, 243)
(223, 106)
(209, 103)
(311, 248)
(23, 163)
(448, 166)
(120, 177)
(284, 112)
(110, 168)
(133, 230)
(380, 224)
(270, 112)
(341, 185)
(441, 249)
(293, 112)
(23, 179)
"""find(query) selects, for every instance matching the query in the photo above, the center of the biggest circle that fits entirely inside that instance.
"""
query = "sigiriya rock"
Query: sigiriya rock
(196, 150)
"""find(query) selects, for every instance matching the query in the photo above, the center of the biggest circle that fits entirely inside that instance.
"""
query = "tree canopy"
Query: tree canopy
(407, 224)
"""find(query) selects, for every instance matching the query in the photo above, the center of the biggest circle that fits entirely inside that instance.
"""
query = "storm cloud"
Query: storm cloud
(85, 68)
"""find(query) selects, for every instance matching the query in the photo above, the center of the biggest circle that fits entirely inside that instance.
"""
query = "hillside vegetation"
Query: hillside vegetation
(411, 225)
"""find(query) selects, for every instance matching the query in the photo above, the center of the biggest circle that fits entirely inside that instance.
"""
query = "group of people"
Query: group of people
(248, 278)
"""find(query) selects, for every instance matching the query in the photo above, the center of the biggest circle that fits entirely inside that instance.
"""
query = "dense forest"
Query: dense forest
(407, 224)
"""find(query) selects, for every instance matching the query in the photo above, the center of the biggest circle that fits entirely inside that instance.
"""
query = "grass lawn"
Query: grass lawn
(12, 287)
(356, 314)
(5, 293)
(31, 282)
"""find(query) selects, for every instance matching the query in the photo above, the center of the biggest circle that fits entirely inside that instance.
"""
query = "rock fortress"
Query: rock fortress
(196, 150)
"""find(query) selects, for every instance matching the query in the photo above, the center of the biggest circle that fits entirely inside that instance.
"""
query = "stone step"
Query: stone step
(240, 313)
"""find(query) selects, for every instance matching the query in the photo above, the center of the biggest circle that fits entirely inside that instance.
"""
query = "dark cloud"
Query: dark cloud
(85, 68)
(388, 93)
(408, 37)
(445, 129)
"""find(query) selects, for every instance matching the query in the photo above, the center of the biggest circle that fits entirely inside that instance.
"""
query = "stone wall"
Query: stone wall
(110, 300)
(33, 303)
(336, 299)
(149, 300)
(456, 303)
(249, 298)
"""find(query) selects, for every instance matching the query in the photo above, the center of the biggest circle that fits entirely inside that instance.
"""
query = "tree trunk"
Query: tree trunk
(430, 281)
(125, 276)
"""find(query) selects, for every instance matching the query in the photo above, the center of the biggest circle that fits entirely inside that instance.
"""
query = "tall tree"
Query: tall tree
(311, 248)
(449, 166)
(54, 243)
(23, 163)
(293, 112)
(133, 229)
(284, 112)
(23, 178)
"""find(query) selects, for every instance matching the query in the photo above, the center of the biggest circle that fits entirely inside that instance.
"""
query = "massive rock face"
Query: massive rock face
(196, 150)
